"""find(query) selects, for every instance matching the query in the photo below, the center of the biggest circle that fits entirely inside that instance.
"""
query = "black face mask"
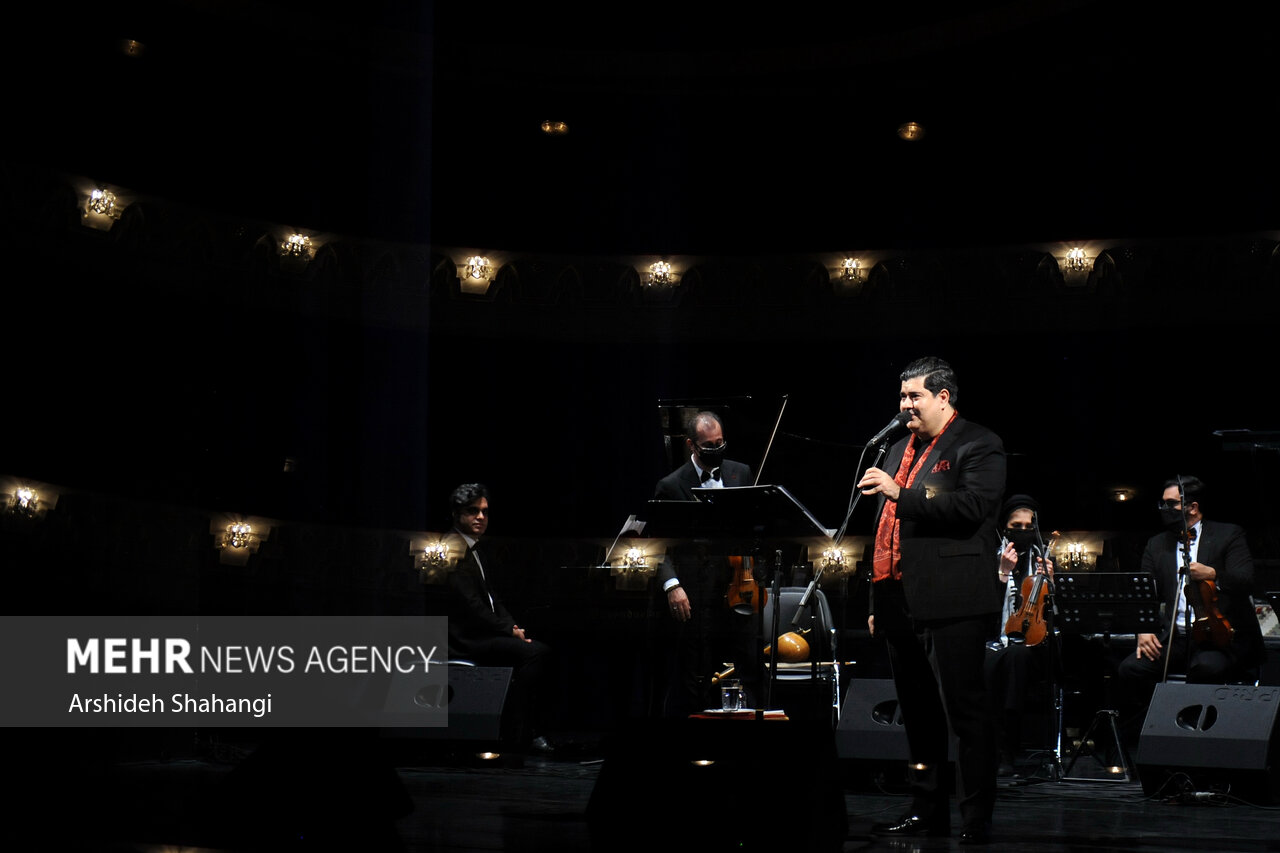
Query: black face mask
(1022, 539)
(1172, 519)
(710, 459)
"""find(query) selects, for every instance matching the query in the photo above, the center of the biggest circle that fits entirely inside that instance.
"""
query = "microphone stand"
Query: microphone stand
(775, 617)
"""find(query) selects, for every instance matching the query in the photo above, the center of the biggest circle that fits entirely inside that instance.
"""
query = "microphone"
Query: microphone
(894, 426)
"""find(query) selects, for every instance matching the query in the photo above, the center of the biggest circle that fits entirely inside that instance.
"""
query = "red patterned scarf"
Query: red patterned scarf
(887, 554)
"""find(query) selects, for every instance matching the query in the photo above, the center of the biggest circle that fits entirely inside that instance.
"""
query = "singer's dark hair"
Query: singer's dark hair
(1192, 488)
(937, 375)
(465, 495)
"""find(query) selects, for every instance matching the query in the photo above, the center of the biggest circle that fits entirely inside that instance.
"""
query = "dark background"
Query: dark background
(175, 360)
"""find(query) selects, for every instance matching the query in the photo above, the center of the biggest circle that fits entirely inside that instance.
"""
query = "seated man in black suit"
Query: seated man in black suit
(481, 629)
(1212, 559)
(695, 577)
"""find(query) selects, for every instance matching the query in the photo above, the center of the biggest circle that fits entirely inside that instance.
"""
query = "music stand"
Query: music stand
(1106, 603)
(741, 517)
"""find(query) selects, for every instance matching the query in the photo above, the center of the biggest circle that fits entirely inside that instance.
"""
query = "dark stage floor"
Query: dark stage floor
(314, 793)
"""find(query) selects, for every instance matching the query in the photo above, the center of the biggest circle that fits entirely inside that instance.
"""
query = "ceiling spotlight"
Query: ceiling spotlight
(911, 131)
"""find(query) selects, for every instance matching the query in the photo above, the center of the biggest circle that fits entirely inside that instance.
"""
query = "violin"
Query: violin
(745, 595)
(1027, 622)
(1208, 627)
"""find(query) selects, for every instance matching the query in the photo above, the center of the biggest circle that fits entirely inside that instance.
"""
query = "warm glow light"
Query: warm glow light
(555, 128)
(1077, 261)
(435, 555)
(296, 246)
(659, 274)
(239, 534)
(851, 269)
(911, 131)
(478, 268)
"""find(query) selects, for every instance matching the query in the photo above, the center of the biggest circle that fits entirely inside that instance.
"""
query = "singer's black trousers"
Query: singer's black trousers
(938, 673)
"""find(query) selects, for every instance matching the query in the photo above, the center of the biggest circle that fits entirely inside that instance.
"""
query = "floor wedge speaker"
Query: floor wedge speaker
(1214, 738)
(871, 723)
(471, 703)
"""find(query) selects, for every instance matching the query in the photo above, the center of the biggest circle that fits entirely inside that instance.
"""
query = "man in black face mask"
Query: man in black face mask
(1213, 558)
(1014, 656)
(694, 580)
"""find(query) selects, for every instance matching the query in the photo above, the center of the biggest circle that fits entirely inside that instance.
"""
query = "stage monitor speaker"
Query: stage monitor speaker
(1216, 738)
(712, 785)
(870, 725)
(473, 703)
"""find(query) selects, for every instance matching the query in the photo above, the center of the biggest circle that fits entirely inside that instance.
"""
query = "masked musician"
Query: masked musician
(694, 578)
(1212, 559)
(935, 597)
(1026, 628)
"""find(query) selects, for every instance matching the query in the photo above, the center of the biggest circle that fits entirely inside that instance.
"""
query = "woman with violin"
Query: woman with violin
(1204, 573)
(1025, 623)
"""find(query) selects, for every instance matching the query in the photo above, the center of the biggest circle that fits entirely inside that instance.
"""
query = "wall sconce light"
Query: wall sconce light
(239, 534)
(851, 271)
(478, 269)
(1076, 558)
(555, 128)
(660, 274)
(911, 131)
(101, 209)
(1075, 266)
(1122, 495)
(633, 569)
(24, 502)
(835, 560)
(434, 557)
(236, 538)
(131, 47)
(477, 273)
(296, 246)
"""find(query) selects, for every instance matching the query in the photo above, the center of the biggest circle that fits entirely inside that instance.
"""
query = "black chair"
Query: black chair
(821, 670)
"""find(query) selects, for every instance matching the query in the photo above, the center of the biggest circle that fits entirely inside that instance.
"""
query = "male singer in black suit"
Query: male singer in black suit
(936, 599)
(1218, 553)
(481, 629)
(694, 578)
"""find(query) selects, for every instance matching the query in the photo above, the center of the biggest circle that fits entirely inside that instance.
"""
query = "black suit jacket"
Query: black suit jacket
(471, 617)
(1223, 546)
(679, 485)
(949, 524)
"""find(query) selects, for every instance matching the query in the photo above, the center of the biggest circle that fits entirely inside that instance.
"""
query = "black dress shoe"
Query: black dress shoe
(912, 825)
(976, 835)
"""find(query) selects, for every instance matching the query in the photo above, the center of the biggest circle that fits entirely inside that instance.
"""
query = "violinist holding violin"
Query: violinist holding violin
(1026, 628)
(1204, 574)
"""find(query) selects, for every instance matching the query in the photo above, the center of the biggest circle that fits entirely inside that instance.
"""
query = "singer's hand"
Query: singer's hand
(877, 482)
(871, 624)
(1149, 647)
(518, 633)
